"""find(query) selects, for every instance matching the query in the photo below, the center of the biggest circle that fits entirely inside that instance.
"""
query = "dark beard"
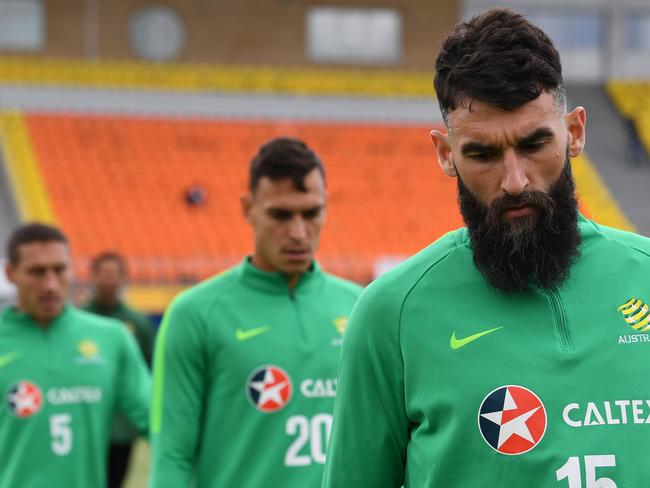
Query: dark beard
(537, 249)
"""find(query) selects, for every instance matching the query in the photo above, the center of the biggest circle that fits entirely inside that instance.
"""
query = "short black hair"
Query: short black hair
(500, 58)
(282, 158)
(101, 258)
(29, 233)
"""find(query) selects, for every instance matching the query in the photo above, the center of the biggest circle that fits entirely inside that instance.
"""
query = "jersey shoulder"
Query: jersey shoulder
(385, 296)
(205, 292)
(401, 279)
(103, 329)
(92, 321)
(633, 242)
(193, 304)
(342, 285)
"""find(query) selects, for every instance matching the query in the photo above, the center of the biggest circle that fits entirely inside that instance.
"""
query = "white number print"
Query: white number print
(571, 471)
(315, 431)
(61, 433)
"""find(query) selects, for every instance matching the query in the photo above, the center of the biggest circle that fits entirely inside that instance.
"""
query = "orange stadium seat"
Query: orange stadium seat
(118, 183)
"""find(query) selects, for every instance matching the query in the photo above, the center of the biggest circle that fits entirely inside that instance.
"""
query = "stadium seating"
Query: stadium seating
(119, 182)
(632, 98)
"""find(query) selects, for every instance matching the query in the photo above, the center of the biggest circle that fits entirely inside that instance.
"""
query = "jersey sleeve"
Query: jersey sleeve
(179, 384)
(370, 429)
(133, 395)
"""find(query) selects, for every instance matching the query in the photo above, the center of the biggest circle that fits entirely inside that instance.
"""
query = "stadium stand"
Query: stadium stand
(632, 98)
(121, 180)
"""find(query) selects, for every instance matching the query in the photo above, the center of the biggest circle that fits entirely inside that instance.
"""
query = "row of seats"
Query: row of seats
(210, 77)
(119, 182)
(632, 98)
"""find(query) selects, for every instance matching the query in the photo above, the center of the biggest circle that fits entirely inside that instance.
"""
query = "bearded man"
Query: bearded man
(512, 352)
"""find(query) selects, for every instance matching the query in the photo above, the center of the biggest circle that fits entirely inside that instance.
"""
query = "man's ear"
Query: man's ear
(442, 145)
(9, 272)
(576, 120)
(246, 202)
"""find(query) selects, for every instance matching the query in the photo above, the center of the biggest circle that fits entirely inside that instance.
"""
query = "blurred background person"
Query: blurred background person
(63, 371)
(108, 274)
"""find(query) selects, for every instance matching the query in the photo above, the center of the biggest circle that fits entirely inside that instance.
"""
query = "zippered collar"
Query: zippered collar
(275, 281)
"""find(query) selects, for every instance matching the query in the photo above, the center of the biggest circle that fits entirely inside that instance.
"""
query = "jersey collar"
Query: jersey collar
(275, 281)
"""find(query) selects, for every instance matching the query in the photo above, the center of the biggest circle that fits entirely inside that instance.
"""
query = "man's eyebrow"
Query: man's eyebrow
(536, 136)
(291, 211)
(478, 147)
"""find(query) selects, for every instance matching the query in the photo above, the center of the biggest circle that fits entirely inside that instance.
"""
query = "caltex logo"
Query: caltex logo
(512, 420)
(269, 388)
(24, 399)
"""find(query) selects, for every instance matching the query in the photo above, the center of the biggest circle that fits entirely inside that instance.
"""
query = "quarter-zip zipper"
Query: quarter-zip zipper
(302, 333)
(561, 326)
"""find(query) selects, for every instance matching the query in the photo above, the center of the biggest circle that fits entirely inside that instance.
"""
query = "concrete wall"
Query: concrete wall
(245, 31)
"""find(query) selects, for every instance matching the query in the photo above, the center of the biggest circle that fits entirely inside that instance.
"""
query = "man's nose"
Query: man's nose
(514, 179)
(51, 280)
(297, 228)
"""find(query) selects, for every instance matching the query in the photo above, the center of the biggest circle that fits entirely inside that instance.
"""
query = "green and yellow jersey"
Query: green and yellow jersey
(60, 386)
(447, 382)
(245, 379)
(122, 431)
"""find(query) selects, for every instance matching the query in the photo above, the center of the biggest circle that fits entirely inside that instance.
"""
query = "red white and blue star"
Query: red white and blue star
(512, 420)
(24, 399)
(269, 388)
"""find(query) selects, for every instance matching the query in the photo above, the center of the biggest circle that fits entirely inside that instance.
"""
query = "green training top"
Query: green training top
(60, 386)
(245, 379)
(447, 382)
(122, 431)
(139, 325)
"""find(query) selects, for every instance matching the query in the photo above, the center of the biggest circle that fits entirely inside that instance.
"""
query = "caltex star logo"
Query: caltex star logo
(269, 388)
(512, 420)
(24, 399)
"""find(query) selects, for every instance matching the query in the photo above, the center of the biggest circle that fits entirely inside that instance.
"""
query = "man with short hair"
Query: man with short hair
(245, 363)
(108, 273)
(508, 353)
(63, 372)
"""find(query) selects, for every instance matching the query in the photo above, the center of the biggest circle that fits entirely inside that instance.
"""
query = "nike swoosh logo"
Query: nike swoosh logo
(9, 357)
(244, 335)
(456, 343)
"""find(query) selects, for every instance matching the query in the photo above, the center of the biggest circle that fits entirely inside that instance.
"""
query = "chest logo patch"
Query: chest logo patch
(340, 323)
(269, 388)
(512, 420)
(636, 314)
(24, 398)
(88, 348)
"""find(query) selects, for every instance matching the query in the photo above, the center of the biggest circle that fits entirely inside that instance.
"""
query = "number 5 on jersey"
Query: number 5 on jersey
(61, 434)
